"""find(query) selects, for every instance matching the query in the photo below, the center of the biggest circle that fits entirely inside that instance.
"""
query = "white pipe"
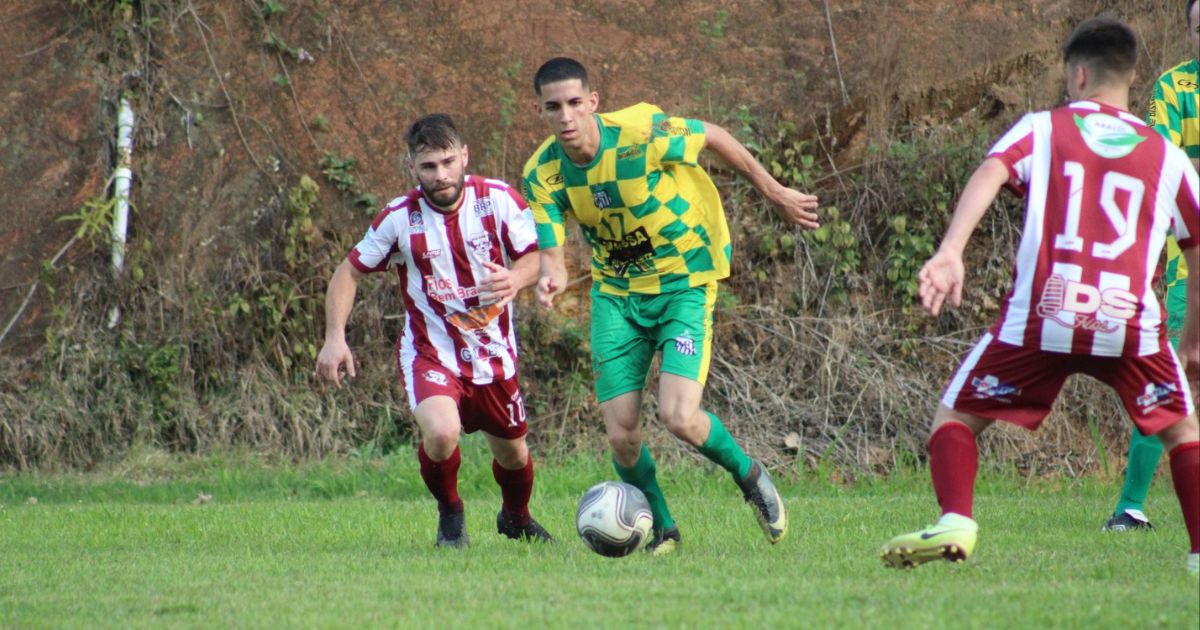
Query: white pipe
(121, 179)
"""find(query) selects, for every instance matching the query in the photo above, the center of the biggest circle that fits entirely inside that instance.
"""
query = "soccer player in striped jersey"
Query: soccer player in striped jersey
(659, 244)
(462, 246)
(1175, 113)
(1102, 189)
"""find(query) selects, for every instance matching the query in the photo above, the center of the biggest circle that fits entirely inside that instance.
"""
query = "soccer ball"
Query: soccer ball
(613, 519)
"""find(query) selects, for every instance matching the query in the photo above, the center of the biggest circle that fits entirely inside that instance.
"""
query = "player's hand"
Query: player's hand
(940, 277)
(796, 207)
(334, 354)
(548, 287)
(498, 288)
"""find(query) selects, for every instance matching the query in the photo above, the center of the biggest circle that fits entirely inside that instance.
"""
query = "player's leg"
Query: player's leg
(1155, 393)
(953, 465)
(1144, 453)
(1182, 443)
(499, 410)
(682, 323)
(995, 381)
(621, 355)
(439, 455)
(635, 465)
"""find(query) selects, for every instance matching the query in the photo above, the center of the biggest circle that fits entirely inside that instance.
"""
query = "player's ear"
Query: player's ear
(410, 167)
(594, 100)
(466, 156)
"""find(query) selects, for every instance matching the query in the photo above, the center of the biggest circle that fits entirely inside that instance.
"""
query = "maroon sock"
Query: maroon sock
(953, 462)
(515, 488)
(1185, 472)
(442, 479)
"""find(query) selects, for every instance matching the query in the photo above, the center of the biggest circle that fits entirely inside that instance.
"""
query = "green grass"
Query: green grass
(350, 544)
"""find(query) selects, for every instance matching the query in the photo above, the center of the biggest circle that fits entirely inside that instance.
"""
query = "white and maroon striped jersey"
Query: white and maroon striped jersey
(439, 257)
(1102, 190)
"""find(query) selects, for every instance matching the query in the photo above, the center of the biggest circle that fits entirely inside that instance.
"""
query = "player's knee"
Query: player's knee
(513, 456)
(441, 441)
(1186, 430)
(683, 424)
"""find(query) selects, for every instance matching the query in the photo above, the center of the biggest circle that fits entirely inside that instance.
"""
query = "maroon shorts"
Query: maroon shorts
(496, 408)
(1018, 385)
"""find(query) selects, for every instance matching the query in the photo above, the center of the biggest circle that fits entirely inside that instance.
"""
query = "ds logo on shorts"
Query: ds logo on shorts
(435, 377)
(1156, 395)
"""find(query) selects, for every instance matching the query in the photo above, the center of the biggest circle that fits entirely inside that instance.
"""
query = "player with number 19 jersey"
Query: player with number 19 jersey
(439, 258)
(1102, 189)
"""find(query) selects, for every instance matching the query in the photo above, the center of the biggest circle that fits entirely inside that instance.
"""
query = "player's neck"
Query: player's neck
(1113, 97)
(588, 147)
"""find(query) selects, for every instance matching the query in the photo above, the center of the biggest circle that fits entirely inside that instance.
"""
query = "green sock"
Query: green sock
(723, 450)
(1144, 451)
(642, 476)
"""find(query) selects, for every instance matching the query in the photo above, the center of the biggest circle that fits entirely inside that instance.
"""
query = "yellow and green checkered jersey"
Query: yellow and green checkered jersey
(1175, 113)
(1175, 107)
(650, 212)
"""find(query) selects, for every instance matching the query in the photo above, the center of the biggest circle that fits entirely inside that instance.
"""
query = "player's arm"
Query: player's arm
(503, 283)
(552, 275)
(792, 205)
(339, 300)
(942, 275)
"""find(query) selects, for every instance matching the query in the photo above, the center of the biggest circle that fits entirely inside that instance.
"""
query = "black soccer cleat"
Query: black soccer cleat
(452, 530)
(1128, 520)
(759, 491)
(664, 542)
(530, 532)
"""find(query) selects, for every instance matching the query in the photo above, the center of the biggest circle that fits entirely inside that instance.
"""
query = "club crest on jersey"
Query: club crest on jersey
(416, 222)
(601, 198)
(481, 244)
(435, 377)
(991, 387)
(685, 345)
(1155, 395)
(1075, 304)
(1108, 136)
(483, 207)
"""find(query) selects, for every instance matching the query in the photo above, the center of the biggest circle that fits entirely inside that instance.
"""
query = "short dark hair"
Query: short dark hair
(559, 69)
(1105, 45)
(434, 131)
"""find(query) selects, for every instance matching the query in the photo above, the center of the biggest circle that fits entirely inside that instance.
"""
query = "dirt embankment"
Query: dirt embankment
(237, 101)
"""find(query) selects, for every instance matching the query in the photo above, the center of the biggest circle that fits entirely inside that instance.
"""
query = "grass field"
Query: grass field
(350, 544)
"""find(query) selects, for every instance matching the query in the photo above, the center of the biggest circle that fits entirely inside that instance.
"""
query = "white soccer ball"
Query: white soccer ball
(614, 519)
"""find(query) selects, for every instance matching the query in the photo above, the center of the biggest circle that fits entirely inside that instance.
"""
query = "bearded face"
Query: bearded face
(441, 173)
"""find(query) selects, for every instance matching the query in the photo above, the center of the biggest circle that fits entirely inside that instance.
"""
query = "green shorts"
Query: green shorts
(628, 330)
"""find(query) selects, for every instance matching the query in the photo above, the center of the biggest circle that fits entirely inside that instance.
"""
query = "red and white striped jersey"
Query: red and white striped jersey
(1102, 190)
(439, 258)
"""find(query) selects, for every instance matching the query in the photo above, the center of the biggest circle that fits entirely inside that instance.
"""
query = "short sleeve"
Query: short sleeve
(546, 212)
(675, 140)
(377, 246)
(1015, 151)
(518, 230)
(1185, 222)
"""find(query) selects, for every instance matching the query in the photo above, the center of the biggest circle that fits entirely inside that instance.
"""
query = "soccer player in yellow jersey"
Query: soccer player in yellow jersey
(1175, 113)
(659, 243)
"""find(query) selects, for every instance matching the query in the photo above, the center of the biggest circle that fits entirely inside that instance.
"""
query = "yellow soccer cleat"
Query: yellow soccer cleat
(664, 542)
(952, 538)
